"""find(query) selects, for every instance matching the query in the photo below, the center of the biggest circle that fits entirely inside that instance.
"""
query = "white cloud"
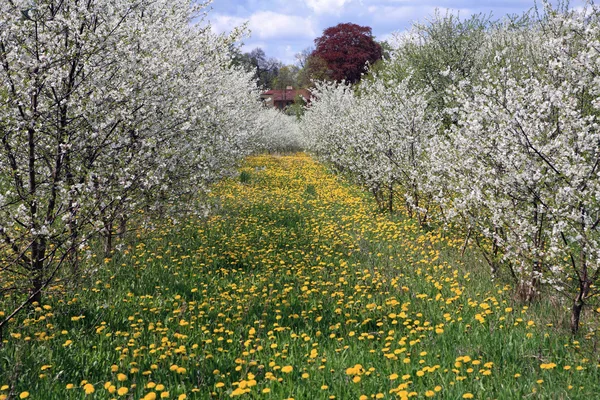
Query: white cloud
(388, 37)
(224, 23)
(267, 25)
(398, 13)
(326, 6)
(407, 13)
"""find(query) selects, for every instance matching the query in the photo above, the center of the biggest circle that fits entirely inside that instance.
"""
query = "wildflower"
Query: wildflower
(287, 369)
(88, 388)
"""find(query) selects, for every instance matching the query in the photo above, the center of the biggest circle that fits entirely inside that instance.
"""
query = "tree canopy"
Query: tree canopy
(346, 48)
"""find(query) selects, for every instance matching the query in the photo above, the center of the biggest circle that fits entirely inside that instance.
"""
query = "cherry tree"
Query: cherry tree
(379, 136)
(525, 154)
(108, 107)
(515, 162)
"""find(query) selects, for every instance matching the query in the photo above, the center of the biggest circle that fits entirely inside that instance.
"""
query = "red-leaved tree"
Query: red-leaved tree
(346, 48)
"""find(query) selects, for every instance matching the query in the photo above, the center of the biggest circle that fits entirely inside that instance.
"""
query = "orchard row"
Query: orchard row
(113, 114)
(489, 127)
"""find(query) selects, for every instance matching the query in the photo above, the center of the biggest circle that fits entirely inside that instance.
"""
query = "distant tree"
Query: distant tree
(265, 69)
(287, 76)
(386, 49)
(346, 48)
(380, 65)
(315, 69)
(303, 56)
(297, 108)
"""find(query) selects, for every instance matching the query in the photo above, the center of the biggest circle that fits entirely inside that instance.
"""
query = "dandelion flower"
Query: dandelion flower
(89, 388)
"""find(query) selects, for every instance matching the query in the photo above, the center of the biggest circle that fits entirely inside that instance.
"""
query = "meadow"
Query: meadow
(296, 286)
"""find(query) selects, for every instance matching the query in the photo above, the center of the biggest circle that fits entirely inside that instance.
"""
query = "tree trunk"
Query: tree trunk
(36, 289)
(531, 291)
(391, 199)
(576, 314)
(122, 227)
(584, 289)
(108, 243)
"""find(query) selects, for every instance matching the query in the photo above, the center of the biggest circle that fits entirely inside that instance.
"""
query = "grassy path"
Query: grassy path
(295, 288)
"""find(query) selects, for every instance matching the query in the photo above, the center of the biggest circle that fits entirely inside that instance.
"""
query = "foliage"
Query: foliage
(439, 53)
(315, 69)
(265, 70)
(346, 49)
(288, 76)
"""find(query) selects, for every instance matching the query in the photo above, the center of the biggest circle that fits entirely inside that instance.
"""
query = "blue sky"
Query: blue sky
(283, 28)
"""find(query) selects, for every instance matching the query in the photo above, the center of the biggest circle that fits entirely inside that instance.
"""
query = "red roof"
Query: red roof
(287, 95)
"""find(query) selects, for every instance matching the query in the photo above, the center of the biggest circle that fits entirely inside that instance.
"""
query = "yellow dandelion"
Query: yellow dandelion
(88, 388)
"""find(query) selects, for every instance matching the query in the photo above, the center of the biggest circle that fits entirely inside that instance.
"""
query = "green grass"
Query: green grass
(298, 270)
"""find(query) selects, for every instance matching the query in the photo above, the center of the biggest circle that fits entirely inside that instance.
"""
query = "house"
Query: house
(282, 98)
